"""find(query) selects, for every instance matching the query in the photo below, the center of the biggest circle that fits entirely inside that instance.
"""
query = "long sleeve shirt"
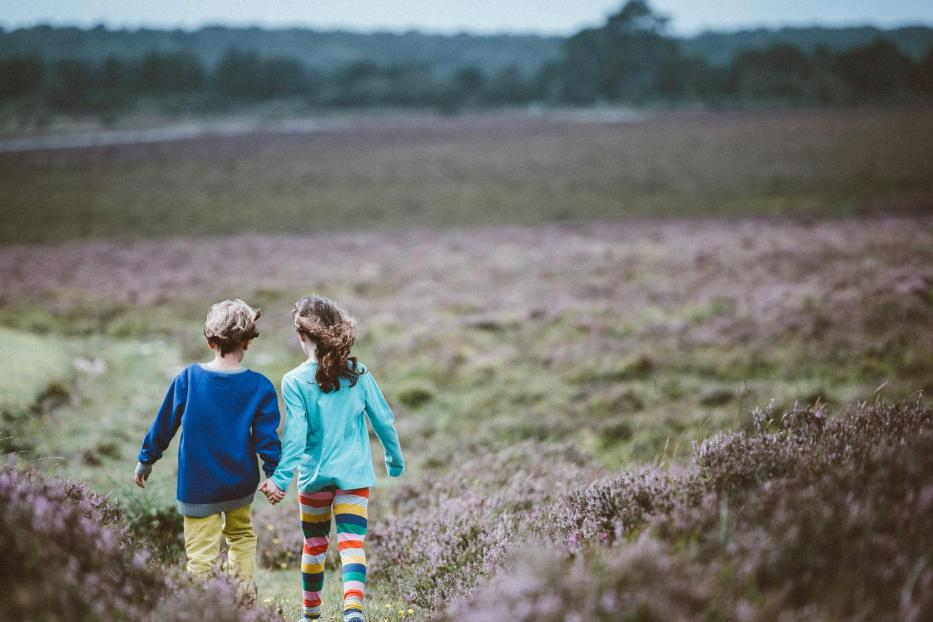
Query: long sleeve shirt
(326, 437)
(226, 419)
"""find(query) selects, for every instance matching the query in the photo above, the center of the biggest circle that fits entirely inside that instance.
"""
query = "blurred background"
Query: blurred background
(578, 239)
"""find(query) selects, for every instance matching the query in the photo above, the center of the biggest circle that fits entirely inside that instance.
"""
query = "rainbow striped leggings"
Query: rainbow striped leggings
(349, 510)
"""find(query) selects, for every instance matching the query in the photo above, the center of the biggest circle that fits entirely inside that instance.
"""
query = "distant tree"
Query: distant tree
(877, 70)
(779, 72)
(73, 85)
(163, 74)
(623, 60)
(463, 89)
(411, 84)
(825, 87)
(244, 74)
(690, 78)
(584, 61)
(284, 76)
(20, 76)
(360, 83)
(923, 78)
(508, 86)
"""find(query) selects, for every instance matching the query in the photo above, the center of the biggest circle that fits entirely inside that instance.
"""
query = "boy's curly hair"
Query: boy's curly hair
(333, 333)
(230, 325)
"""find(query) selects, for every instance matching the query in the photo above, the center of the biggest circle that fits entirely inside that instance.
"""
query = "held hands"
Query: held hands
(273, 493)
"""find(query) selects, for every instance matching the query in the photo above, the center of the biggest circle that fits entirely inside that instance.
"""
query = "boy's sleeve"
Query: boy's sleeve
(265, 436)
(165, 424)
(383, 422)
(294, 436)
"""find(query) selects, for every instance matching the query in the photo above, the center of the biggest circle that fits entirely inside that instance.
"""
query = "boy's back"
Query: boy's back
(226, 418)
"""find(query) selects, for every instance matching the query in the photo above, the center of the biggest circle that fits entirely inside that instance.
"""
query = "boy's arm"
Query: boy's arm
(383, 422)
(265, 436)
(164, 426)
(294, 436)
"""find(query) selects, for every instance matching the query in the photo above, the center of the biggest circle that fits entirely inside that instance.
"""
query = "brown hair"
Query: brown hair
(230, 325)
(333, 332)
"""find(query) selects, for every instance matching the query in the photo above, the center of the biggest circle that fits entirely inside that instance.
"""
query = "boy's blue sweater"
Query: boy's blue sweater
(226, 418)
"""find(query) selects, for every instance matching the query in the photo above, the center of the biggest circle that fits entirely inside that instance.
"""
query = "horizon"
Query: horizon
(132, 28)
(544, 18)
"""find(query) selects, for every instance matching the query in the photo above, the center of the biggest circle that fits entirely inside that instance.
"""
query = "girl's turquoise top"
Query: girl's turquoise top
(326, 436)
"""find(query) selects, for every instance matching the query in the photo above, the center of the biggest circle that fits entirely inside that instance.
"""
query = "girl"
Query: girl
(325, 434)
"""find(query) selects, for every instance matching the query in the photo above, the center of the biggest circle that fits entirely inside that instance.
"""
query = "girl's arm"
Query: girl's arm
(165, 425)
(294, 436)
(383, 422)
(265, 438)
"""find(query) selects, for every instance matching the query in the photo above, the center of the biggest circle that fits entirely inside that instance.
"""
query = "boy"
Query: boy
(228, 414)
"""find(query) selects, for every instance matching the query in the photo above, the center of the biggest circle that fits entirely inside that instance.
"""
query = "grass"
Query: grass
(282, 589)
(485, 170)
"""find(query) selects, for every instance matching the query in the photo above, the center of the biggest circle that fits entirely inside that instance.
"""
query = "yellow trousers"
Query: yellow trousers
(202, 543)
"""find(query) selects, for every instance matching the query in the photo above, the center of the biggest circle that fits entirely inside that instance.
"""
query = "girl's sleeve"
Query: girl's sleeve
(383, 422)
(265, 436)
(165, 424)
(294, 436)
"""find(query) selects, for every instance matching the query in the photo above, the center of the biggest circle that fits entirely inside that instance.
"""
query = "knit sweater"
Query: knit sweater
(326, 436)
(226, 419)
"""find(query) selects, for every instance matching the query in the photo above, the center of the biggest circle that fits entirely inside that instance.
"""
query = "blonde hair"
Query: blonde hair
(230, 325)
(333, 333)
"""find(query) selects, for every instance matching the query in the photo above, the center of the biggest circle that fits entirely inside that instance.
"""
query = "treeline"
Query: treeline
(181, 80)
(630, 59)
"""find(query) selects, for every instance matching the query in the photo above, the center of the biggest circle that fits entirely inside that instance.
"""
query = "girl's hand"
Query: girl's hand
(273, 493)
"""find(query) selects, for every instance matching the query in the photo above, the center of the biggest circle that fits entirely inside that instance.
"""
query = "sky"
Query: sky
(482, 16)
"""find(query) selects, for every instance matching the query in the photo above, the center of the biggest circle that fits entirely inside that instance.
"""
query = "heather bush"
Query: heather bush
(65, 556)
(218, 598)
(640, 582)
(802, 516)
(445, 533)
(68, 555)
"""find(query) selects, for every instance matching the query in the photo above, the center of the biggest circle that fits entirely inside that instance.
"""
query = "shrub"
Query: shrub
(802, 516)
(68, 555)
(447, 533)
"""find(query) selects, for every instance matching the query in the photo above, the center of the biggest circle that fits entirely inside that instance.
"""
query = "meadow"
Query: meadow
(574, 320)
(482, 170)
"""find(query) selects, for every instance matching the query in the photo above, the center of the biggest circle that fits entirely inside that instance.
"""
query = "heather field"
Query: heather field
(484, 170)
(669, 369)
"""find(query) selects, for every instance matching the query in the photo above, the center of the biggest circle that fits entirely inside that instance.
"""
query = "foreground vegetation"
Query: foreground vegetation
(801, 517)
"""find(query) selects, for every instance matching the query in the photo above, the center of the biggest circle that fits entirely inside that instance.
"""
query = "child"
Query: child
(325, 432)
(228, 414)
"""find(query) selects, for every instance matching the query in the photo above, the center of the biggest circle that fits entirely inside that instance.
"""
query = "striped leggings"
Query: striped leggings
(349, 510)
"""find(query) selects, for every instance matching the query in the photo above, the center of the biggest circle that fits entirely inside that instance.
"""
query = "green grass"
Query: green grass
(282, 589)
(35, 378)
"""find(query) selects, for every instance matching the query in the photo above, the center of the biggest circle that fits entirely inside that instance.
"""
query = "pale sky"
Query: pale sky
(483, 16)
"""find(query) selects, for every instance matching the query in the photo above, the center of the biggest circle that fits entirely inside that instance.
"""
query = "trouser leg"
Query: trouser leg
(202, 543)
(241, 543)
(315, 524)
(350, 516)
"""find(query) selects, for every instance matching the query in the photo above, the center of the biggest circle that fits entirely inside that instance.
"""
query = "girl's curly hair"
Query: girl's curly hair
(333, 333)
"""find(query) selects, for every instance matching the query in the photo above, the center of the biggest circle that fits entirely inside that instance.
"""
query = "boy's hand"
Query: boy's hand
(141, 474)
(273, 493)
